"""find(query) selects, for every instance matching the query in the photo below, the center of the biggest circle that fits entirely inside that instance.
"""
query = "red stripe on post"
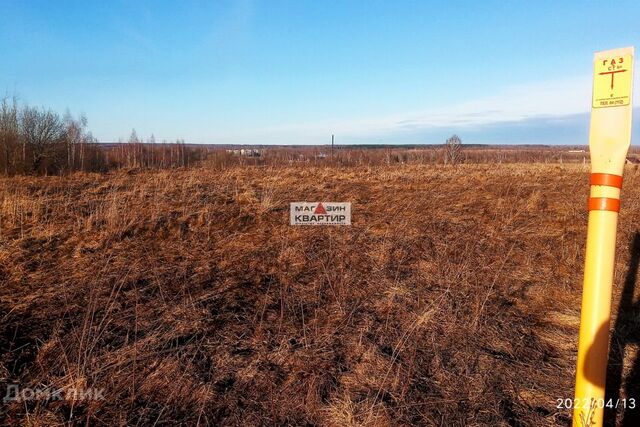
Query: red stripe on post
(604, 204)
(607, 179)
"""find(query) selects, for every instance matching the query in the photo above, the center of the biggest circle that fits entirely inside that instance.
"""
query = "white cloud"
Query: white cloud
(551, 99)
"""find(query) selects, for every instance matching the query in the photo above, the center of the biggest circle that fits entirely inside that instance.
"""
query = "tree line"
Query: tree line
(137, 153)
(38, 141)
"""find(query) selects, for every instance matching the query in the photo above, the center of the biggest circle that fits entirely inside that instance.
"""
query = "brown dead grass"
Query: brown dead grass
(185, 295)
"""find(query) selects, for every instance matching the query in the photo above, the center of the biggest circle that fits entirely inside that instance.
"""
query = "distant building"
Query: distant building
(250, 152)
(246, 152)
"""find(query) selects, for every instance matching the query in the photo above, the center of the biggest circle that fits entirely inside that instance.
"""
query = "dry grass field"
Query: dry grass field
(185, 296)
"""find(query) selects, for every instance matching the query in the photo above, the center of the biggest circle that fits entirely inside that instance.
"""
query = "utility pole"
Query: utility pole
(609, 140)
(332, 140)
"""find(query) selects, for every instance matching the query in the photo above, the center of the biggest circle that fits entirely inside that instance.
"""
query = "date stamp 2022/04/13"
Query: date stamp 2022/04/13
(629, 403)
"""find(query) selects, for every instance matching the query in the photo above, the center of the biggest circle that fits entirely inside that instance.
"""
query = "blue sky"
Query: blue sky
(294, 72)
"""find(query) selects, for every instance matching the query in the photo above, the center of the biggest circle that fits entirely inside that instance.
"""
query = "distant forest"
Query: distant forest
(38, 141)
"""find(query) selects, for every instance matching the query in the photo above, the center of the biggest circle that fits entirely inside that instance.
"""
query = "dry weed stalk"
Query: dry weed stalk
(187, 297)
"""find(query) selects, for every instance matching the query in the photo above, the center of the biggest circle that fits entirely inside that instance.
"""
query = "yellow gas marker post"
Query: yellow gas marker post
(609, 140)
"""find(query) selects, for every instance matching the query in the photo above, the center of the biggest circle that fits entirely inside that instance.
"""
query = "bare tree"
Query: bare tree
(34, 141)
(43, 131)
(9, 135)
(76, 140)
(453, 150)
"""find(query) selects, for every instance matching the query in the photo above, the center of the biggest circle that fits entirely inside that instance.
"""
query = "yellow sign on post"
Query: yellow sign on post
(612, 79)
(609, 140)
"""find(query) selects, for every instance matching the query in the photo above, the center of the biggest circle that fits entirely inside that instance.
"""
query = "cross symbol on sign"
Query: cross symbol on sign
(612, 75)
